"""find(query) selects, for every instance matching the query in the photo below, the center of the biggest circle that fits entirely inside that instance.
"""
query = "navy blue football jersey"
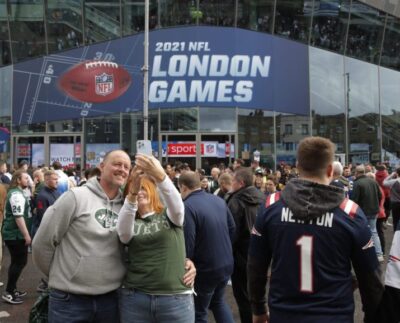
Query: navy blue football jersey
(311, 278)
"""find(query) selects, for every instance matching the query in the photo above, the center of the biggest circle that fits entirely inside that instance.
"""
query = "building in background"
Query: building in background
(353, 81)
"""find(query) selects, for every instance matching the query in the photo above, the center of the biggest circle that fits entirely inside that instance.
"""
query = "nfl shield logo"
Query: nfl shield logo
(104, 84)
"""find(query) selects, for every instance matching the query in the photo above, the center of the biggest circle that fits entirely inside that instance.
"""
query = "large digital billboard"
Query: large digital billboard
(189, 66)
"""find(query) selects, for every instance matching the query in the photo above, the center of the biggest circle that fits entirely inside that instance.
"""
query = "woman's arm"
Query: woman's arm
(173, 201)
(126, 221)
(170, 195)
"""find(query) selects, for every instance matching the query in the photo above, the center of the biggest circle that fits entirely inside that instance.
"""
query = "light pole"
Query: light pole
(145, 70)
(346, 115)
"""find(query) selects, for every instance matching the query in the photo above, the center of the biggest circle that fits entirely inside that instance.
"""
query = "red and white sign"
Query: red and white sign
(187, 149)
(24, 151)
(208, 149)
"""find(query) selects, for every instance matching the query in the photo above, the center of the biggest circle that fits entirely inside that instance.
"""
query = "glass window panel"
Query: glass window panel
(256, 15)
(363, 111)
(389, 92)
(327, 96)
(177, 12)
(293, 19)
(27, 29)
(217, 12)
(330, 21)
(102, 19)
(287, 141)
(30, 128)
(74, 125)
(133, 16)
(64, 21)
(30, 149)
(6, 91)
(132, 130)
(179, 119)
(218, 119)
(254, 134)
(95, 129)
(5, 54)
(5, 106)
(391, 44)
(365, 32)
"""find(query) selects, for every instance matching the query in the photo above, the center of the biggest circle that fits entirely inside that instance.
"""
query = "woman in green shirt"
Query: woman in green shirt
(153, 289)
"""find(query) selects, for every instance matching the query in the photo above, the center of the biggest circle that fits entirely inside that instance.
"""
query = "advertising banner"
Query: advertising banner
(188, 149)
(95, 153)
(24, 151)
(4, 139)
(189, 66)
(64, 153)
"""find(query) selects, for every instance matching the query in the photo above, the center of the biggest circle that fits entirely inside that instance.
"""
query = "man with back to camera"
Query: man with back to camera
(209, 229)
(367, 194)
(312, 235)
(77, 247)
(243, 202)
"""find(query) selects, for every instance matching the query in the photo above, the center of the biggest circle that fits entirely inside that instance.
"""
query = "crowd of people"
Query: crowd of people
(137, 241)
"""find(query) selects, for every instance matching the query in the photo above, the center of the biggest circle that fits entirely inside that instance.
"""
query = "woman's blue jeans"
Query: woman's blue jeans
(136, 306)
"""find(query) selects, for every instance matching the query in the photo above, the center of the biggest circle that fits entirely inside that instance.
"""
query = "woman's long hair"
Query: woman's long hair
(16, 176)
(150, 187)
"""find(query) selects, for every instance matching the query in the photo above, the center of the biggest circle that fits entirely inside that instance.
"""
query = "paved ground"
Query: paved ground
(30, 279)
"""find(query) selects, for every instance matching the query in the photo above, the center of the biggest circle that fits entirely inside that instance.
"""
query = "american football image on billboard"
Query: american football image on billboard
(95, 81)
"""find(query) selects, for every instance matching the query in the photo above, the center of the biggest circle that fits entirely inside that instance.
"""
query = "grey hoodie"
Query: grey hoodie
(77, 246)
(308, 200)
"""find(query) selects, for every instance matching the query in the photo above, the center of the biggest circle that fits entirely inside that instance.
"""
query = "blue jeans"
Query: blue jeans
(136, 306)
(73, 308)
(375, 236)
(211, 296)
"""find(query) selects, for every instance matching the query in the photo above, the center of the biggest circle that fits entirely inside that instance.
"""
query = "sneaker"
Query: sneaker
(42, 287)
(1, 284)
(11, 298)
(20, 293)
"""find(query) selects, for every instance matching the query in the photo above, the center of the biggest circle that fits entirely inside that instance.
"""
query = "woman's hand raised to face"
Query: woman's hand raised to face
(151, 166)
(134, 183)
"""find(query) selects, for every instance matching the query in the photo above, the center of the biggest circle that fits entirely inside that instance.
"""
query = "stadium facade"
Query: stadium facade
(294, 68)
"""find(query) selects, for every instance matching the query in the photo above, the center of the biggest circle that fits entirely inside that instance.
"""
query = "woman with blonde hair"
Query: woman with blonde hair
(153, 289)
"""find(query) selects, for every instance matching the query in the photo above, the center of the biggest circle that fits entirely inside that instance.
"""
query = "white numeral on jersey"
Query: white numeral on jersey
(306, 269)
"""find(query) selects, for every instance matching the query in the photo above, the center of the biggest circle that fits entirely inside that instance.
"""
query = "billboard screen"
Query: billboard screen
(188, 66)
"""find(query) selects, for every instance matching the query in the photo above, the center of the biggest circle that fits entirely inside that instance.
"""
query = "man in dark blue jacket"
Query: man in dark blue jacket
(209, 230)
(312, 235)
(47, 195)
(45, 198)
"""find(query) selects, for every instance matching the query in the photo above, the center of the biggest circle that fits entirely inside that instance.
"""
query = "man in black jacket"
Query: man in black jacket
(243, 203)
(367, 194)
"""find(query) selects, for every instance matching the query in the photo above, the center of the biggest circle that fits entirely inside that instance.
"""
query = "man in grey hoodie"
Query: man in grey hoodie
(78, 250)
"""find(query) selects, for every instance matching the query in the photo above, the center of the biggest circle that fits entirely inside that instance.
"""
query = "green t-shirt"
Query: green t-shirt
(17, 205)
(156, 256)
